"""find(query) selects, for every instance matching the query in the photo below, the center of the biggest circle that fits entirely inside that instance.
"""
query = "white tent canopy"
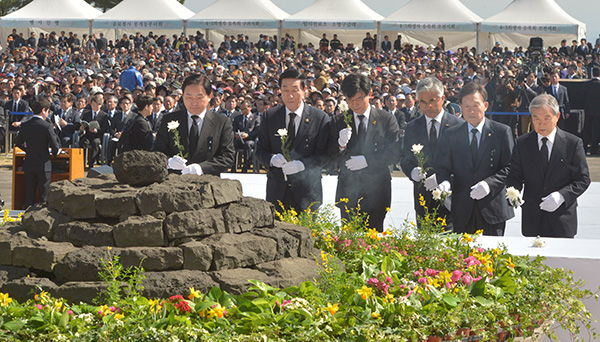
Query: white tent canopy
(52, 14)
(523, 19)
(239, 15)
(152, 15)
(423, 21)
(338, 16)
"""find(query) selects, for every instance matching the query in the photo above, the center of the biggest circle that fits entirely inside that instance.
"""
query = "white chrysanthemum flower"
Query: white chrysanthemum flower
(416, 148)
(513, 194)
(173, 125)
(343, 106)
(282, 132)
(437, 194)
(539, 243)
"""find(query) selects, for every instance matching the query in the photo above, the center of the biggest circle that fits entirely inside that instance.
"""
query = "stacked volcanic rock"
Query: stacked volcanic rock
(184, 230)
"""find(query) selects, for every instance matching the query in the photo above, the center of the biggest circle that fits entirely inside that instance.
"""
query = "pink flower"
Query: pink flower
(470, 261)
(480, 250)
(39, 306)
(402, 286)
(456, 276)
(423, 280)
(373, 281)
(467, 279)
(431, 273)
(417, 274)
(70, 312)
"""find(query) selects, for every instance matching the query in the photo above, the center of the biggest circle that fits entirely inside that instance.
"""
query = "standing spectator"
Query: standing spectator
(386, 45)
(398, 43)
(245, 129)
(295, 182)
(368, 44)
(324, 44)
(131, 78)
(478, 178)
(336, 44)
(32, 41)
(591, 102)
(550, 164)
(559, 91)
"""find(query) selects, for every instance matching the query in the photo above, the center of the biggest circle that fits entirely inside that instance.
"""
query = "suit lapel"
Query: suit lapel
(183, 130)
(372, 124)
(487, 135)
(533, 151)
(558, 151)
(305, 122)
(207, 128)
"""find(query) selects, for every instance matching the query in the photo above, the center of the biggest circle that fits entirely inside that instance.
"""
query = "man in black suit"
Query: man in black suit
(591, 103)
(66, 120)
(471, 74)
(156, 116)
(427, 131)
(16, 104)
(206, 137)
(398, 43)
(35, 137)
(475, 157)
(559, 91)
(92, 138)
(140, 135)
(364, 157)
(550, 163)
(245, 129)
(528, 91)
(295, 182)
(230, 105)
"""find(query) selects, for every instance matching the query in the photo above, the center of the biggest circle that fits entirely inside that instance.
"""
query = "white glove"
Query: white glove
(292, 167)
(431, 183)
(193, 169)
(448, 203)
(551, 202)
(444, 186)
(278, 160)
(177, 163)
(480, 190)
(356, 163)
(416, 175)
(345, 135)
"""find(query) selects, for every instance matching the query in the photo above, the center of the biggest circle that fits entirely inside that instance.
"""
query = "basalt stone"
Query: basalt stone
(235, 281)
(287, 244)
(40, 221)
(57, 193)
(194, 223)
(240, 250)
(153, 258)
(116, 204)
(247, 214)
(303, 234)
(197, 256)
(8, 242)
(290, 271)
(80, 291)
(139, 231)
(168, 198)
(10, 273)
(21, 289)
(80, 204)
(167, 284)
(85, 234)
(83, 264)
(41, 255)
(222, 190)
(140, 168)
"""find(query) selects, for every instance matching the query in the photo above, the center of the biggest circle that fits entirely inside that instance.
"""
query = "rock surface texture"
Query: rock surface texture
(186, 231)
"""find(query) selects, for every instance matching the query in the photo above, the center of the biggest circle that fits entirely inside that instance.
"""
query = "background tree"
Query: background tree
(7, 6)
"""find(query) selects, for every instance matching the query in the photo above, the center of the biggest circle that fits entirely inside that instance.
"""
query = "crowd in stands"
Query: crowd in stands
(85, 75)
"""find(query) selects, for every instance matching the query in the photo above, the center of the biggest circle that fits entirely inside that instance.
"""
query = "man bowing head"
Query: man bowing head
(551, 164)
(203, 137)
(293, 168)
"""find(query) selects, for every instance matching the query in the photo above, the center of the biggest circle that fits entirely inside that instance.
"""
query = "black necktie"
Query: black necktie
(544, 153)
(474, 145)
(433, 135)
(93, 115)
(15, 105)
(194, 136)
(292, 127)
(360, 132)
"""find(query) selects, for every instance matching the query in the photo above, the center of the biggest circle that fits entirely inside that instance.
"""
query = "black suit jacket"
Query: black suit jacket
(309, 146)
(155, 119)
(141, 134)
(492, 164)
(22, 106)
(73, 122)
(591, 98)
(231, 115)
(214, 152)
(35, 136)
(380, 148)
(567, 173)
(251, 127)
(562, 98)
(103, 121)
(417, 133)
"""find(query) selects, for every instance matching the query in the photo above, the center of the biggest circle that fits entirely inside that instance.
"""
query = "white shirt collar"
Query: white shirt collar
(478, 127)
(38, 116)
(550, 137)
(201, 115)
(298, 111)
(438, 118)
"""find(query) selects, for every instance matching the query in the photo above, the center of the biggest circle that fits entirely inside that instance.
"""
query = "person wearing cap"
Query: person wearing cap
(294, 180)
(364, 152)
(206, 136)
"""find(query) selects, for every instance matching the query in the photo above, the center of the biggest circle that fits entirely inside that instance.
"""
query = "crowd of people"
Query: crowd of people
(132, 89)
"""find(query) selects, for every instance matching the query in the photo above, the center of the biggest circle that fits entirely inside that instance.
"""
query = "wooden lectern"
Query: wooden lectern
(68, 165)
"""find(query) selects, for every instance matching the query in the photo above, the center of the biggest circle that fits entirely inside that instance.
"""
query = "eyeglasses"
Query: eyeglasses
(430, 102)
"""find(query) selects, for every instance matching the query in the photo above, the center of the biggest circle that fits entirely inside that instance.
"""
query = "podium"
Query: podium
(68, 165)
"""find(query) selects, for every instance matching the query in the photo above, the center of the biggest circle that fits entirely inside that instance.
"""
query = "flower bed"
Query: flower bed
(405, 285)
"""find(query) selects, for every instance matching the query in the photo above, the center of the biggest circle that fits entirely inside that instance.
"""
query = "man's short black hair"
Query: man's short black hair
(472, 88)
(70, 97)
(197, 79)
(355, 82)
(143, 100)
(293, 74)
(39, 103)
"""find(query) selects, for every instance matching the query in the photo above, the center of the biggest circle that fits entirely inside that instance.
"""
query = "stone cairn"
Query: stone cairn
(184, 230)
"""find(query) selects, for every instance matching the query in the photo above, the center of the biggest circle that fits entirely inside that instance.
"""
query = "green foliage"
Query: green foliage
(8, 6)
(121, 281)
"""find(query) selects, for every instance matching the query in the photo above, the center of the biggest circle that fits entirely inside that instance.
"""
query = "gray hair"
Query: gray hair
(545, 100)
(430, 84)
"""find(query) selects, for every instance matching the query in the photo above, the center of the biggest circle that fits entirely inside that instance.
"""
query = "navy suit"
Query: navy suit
(250, 126)
(370, 187)
(591, 102)
(65, 134)
(214, 152)
(417, 132)
(22, 106)
(567, 173)
(492, 164)
(568, 124)
(303, 189)
(94, 140)
(35, 137)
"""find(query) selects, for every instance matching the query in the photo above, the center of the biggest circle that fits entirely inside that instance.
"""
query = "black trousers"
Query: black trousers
(248, 147)
(36, 180)
(591, 133)
(93, 146)
(477, 222)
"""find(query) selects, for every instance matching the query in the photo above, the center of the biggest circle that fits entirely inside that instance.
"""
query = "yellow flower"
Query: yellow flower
(105, 310)
(389, 298)
(388, 209)
(194, 294)
(479, 232)
(496, 251)
(216, 312)
(5, 300)
(109, 248)
(509, 263)
(445, 277)
(119, 316)
(154, 307)
(375, 314)
(467, 238)
(332, 308)
(365, 292)
(57, 305)
(42, 297)
(421, 200)
(372, 233)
